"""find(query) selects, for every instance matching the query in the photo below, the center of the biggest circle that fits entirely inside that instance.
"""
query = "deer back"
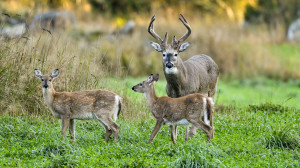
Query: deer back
(82, 105)
(175, 109)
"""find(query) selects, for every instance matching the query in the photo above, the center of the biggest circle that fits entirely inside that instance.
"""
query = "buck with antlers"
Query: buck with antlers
(99, 104)
(195, 109)
(198, 74)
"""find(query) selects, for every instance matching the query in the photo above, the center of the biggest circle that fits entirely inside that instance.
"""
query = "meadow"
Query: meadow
(256, 113)
(257, 125)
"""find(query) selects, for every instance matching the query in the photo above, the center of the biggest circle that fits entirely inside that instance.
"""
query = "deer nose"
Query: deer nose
(46, 86)
(169, 65)
(132, 88)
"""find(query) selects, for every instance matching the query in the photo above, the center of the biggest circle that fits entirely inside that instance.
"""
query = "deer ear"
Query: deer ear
(156, 77)
(183, 46)
(55, 73)
(150, 78)
(38, 73)
(156, 46)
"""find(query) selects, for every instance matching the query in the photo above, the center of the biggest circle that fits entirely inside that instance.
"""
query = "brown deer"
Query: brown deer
(195, 109)
(199, 74)
(102, 105)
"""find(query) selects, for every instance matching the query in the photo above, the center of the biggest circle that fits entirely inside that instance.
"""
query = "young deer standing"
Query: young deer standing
(102, 105)
(195, 109)
(199, 74)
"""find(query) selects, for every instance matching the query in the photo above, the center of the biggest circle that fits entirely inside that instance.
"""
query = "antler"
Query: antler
(163, 43)
(176, 43)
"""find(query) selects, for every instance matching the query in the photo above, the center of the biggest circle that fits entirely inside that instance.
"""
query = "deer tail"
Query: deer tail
(118, 108)
(210, 110)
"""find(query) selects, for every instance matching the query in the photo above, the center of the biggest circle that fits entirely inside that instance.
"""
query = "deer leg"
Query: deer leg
(204, 127)
(186, 133)
(213, 91)
(106, 123)
(173, 133)
(155, 130)
(116, 129)
(211, 119)
(211, 115)
(108, 131)
(72, 129)
(65, 125)
(192, 132)
(111, 125)
(212, 132)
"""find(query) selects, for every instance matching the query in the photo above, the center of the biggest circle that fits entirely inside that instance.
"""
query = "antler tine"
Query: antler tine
(174, 42)
(152, 32)
(182, 17)
(188, 27)
(165, 41)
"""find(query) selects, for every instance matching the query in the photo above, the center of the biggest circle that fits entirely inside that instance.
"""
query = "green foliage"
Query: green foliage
(121, 7)
(226, 9)
(274, 12)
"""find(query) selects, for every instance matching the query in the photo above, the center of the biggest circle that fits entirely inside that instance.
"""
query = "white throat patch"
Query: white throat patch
(46, 90)
(172, 70)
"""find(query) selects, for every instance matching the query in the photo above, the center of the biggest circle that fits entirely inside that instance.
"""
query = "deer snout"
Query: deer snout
(133, 88)
(46, 86)
(169, 65)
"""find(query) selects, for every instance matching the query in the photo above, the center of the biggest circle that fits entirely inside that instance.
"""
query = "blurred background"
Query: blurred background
(246, 38)
(91, 40)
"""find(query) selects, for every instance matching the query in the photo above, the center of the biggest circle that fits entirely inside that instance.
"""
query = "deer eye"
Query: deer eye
(176, 55)
(164, 55)
(42, 79)
(49, 80)
(140, 84)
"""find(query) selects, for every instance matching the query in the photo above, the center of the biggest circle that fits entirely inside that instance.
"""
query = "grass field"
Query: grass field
(256, 125)
(257, 119)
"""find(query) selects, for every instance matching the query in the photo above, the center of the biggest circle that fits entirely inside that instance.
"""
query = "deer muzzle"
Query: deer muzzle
(169, 65)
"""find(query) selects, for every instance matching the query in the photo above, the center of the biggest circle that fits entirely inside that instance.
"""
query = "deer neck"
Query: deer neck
(178, 79)
(150, 96)
(48, 94)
